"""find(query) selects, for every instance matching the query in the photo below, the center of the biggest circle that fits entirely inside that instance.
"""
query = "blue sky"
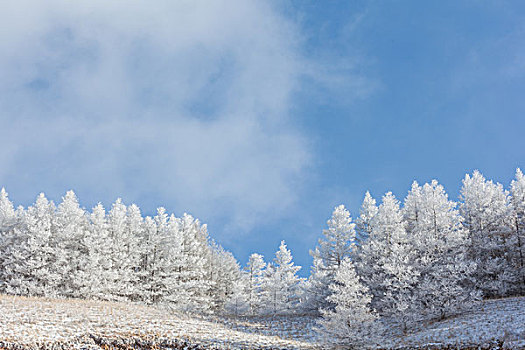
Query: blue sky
(257, 117)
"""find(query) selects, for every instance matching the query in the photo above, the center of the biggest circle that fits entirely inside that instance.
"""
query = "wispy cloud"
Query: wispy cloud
(184, 104)
(169, 102)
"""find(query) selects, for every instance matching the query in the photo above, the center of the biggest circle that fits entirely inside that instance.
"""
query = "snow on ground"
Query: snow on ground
(490, 321)
(91, 324)
(34, 321)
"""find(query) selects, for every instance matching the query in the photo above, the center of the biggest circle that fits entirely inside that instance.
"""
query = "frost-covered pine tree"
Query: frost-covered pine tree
(351, 321)
(151, 273)
(485, 210)
(337, 243)
(393, 278)
(378, 266)
(237, 301)
(281, 285)
(254, 275)
(315, 292)
(169, 261)
(364, 228)
(131, 255)
(446, 282)
(517, 191)
(160, 259)
(30, 267)
(364, 223)
(339, 238)
(8, 221)
(71, 225)
(7, 212)
(195, 275)
(100, 249)
(224, 270)
(117, 226)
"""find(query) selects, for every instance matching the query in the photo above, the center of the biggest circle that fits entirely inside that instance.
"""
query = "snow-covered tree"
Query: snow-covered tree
(131, 254)
(100, 249)
(152, 261)
(337, 243)
(225, 270)
(376, 249)
(446, 282)
(160, 260)
(383, 262)
(7, 211)
(315, 288)
(195, 275)
(255, 272)
(339, 239)
(393, 277)
(351, 322)
(485, 210)
(170, 260)
(8, 220)
(31, 266)
(281, 285)
(237, 302)
(71, 225)
(364, 222)
(517, 191)
(117, 226)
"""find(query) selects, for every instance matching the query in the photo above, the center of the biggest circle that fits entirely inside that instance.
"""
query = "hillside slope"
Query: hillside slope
(49, 323)
(489, 324)
(31, 323)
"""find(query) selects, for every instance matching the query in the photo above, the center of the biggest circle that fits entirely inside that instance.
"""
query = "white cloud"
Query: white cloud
(166, 102)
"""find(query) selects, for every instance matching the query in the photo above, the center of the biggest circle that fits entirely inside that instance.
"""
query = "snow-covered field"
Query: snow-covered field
(489, 322)
(32, 322)
(83, 324)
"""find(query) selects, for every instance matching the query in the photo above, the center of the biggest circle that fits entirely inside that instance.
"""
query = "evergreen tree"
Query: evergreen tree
(337, 243)
(117, 226)
(517, 190)
(100, 249)
(224, 271)
(446, 282)
(315, 292)
(133, 233)
(161, 260)
(7, 212)
(173, 260)
(377, 264)
(34, 273)
(237, 302)
(351, 321)
(280, 287)
(8, 221)
(365, 220)
(485, 208)
(393, 278)
(196, 273)
(255, 272)
(152, 260)
(71, 225)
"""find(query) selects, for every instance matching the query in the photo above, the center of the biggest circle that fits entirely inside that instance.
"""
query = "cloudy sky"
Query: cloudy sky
(258, 117)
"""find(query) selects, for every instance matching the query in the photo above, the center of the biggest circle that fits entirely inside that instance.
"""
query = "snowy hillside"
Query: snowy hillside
(498, 322)
(33, 322)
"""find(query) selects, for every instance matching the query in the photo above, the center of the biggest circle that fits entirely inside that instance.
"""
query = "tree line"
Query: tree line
(119, 255)
(398, 263)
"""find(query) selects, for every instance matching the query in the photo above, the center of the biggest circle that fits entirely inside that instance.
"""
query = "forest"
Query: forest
(396, 265)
